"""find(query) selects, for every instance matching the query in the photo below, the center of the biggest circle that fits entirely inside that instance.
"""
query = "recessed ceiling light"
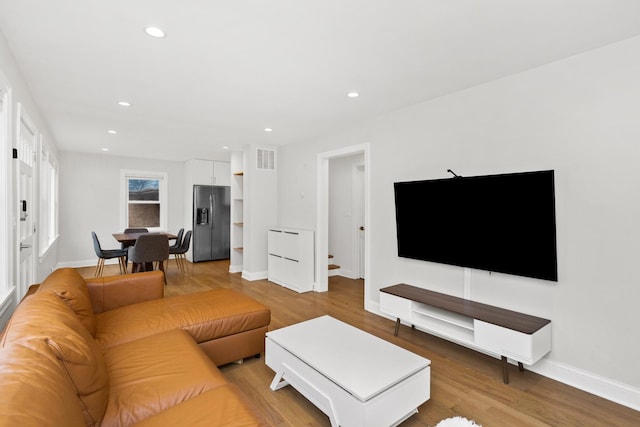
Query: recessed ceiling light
(155, 32)
(112, 131)
(124, 103)
(104, 149)
(225, 148)
(268, 130)
(353, 94)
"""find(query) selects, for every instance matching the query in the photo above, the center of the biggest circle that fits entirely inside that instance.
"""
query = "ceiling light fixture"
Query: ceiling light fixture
(353, 94)
(124, 103)
(155, 32)
(113, 132)
(104, 149)
(268, 130)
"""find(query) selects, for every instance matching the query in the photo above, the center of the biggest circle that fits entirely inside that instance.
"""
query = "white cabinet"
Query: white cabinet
(494, 330)
(291, 258)
(209, 172)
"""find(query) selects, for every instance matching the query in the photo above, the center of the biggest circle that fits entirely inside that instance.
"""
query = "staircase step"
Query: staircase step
(333, 267)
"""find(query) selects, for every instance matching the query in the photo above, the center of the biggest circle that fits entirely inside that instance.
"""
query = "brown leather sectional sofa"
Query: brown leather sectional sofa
(113, 351)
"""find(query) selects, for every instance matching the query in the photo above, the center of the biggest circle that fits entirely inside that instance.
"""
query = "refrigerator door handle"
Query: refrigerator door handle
(211, 210)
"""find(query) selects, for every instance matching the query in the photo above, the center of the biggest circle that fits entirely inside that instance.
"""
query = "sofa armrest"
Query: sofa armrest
(111, 292)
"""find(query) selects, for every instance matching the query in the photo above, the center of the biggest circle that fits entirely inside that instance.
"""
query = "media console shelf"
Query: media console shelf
(508, 334)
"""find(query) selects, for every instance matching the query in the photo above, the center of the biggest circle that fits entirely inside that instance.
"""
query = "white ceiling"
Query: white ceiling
(228, 69)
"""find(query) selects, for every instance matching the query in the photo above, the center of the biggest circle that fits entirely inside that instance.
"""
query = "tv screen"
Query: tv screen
(500, 223)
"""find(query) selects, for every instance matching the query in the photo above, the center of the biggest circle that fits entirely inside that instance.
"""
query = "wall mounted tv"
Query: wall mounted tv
(500, 223)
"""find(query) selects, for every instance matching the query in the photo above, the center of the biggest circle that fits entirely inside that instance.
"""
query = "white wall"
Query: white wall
(90, 200)
(578, 116)
(20, 94)
(260, 208)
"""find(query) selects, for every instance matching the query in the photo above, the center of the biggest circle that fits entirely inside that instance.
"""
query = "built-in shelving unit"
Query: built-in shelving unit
(237, 212)
(494, 330)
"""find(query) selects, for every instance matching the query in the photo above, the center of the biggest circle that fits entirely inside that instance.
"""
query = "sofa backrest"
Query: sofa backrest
(69, 285)
(35, 390)
(44, 324)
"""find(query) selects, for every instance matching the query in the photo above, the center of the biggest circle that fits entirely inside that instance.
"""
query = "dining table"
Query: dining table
(129, 239)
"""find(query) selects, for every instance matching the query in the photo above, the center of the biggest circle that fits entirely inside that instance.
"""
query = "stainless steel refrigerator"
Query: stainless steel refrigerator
(211, 222)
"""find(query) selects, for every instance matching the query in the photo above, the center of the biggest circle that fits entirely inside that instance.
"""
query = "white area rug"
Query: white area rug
(457, 422)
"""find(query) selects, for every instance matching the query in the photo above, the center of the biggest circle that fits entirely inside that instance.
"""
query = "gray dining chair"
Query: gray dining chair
(178, 242)
(132, 230)
(149, 249)
(179, 252)
(103, 254)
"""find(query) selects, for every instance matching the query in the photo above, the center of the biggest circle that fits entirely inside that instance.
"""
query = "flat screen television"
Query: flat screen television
(500, 223)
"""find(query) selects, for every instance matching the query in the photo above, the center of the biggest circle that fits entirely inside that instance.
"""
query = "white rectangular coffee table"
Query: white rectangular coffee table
(357, 379)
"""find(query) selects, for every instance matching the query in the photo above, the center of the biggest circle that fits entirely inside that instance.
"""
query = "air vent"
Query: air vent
(266, 159)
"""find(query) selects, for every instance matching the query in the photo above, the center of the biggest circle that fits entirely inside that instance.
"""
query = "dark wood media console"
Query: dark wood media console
(506, 333)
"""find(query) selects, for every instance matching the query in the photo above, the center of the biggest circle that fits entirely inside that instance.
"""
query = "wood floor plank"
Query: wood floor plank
(463, 382)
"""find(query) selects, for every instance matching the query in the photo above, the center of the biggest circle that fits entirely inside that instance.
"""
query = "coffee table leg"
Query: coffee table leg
(277, 382)
(298, 380)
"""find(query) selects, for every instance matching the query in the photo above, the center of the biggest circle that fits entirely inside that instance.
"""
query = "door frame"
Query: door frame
(23, 117)
(357, 201)
(322, 214)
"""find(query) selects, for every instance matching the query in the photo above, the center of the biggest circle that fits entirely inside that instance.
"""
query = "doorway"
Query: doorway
(322, 217)
(358, 221)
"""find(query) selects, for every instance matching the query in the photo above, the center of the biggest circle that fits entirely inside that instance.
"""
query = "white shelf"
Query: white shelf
(444, 316)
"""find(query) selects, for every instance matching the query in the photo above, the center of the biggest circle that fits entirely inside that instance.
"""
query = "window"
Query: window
(144, 195)
(6, 279)
(48, 198)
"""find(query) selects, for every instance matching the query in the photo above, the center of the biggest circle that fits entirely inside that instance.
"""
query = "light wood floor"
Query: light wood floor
(463, 382)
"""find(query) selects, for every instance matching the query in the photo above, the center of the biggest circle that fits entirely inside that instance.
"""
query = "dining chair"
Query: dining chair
(178, 242)
(103, 254)
(149, 248)
(179, 253)
(132, 230)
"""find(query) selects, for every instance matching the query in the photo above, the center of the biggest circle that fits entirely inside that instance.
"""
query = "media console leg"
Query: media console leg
(395, 333)
(505, 370)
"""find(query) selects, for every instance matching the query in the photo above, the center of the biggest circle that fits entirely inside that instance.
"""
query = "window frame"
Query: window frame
(7, 285)
(162, 177)
(48, 197)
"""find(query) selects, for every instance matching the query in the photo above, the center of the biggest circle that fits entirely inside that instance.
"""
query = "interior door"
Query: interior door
(359, 202)
(26, 261)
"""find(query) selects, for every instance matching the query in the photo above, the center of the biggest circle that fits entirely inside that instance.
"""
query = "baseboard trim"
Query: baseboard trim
(85, 263)
(261, 275)
(7, 306)
(605, 388)
(235, 268)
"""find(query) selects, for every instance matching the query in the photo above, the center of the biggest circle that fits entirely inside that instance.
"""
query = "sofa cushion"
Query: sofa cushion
(152, 374)
(69, 285)
(35, 389)
(205, 315)
(44, 318)
(223, 406)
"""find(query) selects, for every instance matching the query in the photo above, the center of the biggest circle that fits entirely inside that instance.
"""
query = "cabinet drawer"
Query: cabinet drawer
(525, 348)
(396, 306)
